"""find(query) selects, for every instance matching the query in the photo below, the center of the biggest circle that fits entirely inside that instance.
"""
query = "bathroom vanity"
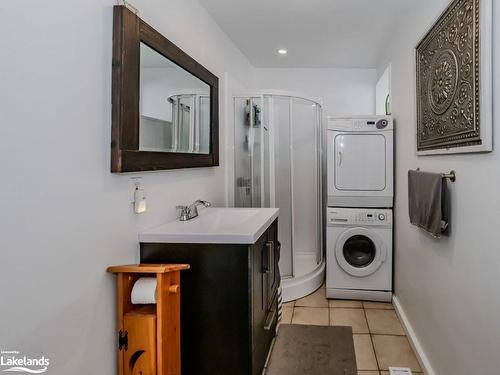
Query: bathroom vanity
(229, 295)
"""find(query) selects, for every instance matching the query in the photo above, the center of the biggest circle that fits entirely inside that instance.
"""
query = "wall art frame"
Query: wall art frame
(454, 92)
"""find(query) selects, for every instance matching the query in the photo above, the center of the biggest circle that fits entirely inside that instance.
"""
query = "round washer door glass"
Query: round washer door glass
(359, 251)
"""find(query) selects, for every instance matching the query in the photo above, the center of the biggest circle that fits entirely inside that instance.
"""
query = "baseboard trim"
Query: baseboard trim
(412, 337)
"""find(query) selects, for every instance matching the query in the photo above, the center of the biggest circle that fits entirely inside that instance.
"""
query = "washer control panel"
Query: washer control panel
(359, 216)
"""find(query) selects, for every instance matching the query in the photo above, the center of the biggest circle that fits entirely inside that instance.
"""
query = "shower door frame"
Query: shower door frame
(251, 119)
(320, 161)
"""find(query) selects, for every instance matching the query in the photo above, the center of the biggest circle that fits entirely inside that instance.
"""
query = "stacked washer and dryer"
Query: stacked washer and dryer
(359, 215)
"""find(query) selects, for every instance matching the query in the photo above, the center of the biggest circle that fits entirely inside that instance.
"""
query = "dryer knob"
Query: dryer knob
(382, 124)
(381, 217)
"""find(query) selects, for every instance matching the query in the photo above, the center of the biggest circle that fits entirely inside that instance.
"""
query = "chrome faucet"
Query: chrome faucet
(190, 212)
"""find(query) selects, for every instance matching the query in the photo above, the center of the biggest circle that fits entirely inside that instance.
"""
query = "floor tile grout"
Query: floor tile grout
(371, 340)
(343, 307)
(326, 307)
(387, 334)
(339, 307)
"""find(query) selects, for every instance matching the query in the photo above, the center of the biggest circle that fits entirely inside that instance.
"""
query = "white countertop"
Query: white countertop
(215, 225)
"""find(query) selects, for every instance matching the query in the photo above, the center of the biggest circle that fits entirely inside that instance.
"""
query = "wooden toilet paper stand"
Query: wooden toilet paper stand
(149, 335)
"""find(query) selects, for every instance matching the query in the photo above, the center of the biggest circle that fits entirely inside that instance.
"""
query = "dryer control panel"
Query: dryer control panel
(359, 216)
(361, 124)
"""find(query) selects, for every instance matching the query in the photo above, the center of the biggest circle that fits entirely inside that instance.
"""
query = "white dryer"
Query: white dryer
(359, 254)
(360, 162)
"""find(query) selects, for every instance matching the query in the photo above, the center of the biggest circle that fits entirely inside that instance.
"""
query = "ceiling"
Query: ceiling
(316, 33)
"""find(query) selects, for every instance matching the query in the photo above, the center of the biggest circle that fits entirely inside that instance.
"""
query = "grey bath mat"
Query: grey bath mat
(312, 350)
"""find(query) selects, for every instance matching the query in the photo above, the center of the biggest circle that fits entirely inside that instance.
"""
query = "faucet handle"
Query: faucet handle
(184, 209)
(184, 216)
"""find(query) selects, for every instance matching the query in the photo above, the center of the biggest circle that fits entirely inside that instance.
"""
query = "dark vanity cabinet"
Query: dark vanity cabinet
(229, 302)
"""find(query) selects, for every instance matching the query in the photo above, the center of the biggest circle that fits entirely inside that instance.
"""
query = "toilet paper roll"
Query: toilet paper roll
(144, 291)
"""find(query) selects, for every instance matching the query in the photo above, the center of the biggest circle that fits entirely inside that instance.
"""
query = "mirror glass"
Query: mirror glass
(174, 107)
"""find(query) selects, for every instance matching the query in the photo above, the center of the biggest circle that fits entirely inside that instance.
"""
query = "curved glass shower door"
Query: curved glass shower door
(277, 150)
(248, 149)
(306, 186)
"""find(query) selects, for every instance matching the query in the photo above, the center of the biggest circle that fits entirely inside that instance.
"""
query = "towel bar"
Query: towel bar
(452, 176)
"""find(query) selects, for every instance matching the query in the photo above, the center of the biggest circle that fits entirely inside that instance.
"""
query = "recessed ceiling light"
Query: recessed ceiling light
(282, 51)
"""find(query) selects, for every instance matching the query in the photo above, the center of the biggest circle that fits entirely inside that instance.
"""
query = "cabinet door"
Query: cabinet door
(140, 353)
(272, 255)
(258, 291)
(262, 331)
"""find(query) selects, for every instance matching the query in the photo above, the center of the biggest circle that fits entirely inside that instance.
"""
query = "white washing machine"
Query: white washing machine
(359, 254)
(360, 162)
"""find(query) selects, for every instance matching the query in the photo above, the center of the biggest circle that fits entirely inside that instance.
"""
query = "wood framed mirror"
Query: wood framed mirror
(165, 104)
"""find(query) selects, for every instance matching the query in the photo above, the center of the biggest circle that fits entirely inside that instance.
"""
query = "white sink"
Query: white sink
(215, 225)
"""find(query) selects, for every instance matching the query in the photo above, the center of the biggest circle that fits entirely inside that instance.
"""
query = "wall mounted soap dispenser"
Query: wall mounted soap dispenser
(139, 200)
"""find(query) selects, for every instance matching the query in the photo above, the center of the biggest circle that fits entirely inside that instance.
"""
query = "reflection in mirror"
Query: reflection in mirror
(174, 107)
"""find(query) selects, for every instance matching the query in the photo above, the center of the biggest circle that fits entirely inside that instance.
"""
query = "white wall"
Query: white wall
(382, 89)
(64, 216)
(344, 91)
(449, 287)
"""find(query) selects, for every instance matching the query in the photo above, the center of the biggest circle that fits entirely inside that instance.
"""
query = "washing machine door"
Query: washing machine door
(360, 252)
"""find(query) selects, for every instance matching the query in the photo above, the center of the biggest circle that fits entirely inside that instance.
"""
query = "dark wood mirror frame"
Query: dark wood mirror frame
(128, 33)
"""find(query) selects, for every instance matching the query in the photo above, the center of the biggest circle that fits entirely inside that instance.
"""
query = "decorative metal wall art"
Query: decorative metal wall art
(449, 81)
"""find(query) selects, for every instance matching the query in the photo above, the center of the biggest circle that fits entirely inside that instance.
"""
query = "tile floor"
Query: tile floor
(379, 338)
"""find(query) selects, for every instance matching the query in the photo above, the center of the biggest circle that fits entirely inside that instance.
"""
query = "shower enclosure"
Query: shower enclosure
(278, 163)
(180, 124)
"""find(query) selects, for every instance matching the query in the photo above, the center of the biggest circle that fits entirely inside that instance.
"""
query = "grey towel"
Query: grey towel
(428, 202)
